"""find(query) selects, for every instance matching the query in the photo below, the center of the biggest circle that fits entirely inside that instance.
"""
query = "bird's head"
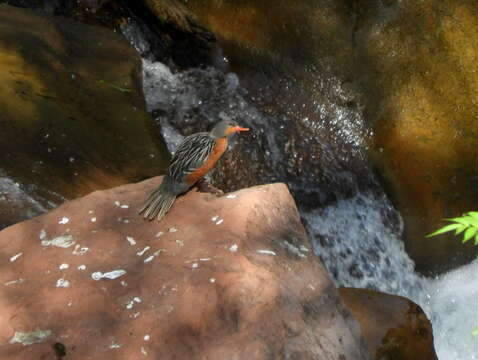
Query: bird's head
(226, 128)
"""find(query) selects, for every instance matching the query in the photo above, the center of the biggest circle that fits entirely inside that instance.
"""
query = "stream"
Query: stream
(353, 226)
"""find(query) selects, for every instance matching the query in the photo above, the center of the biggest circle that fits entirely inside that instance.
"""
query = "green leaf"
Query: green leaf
(475, 331)
(461, 220)
(460, 229)
(469, 233)
(472, 221)
(473, 214)
(444, 229)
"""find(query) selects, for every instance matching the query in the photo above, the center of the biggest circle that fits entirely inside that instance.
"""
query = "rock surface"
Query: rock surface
(73, 113)
(181, 40)
(394, 327)
(218, 278)
(418, 69)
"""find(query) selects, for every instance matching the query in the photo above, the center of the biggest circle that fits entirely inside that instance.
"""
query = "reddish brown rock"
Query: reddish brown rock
(394, 327)
(220, 278)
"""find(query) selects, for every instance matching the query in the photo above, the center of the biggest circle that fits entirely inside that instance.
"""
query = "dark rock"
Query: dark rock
(172, 34)
(394, 327)
(73, 113)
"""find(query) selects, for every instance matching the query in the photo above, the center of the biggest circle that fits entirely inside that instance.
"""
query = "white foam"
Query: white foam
(451, 303)
(356, 241)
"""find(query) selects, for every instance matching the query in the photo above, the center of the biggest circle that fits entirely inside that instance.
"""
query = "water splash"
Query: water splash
(451, 304)
(20, 201)
(18, 196)
(358, 240)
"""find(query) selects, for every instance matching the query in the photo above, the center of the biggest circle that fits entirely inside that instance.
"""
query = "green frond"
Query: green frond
(469, 233)
(445, 229)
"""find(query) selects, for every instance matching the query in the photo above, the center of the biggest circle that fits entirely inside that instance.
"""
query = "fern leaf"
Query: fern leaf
(469, 233)
(445, 229)
(460, 229)
(472, 220)
(461, 220)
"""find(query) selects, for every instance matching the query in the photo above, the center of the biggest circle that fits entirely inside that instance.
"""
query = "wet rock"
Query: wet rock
(73, 113)
(218, 278)
(104, 12)
(418, 71)
(394, 327)
(171, 32)
(172, 12)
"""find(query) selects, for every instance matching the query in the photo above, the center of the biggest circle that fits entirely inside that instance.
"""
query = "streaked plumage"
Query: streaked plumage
(190, 155)
(194, 157)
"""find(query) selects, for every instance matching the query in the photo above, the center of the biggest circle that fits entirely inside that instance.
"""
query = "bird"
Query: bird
(194, 158)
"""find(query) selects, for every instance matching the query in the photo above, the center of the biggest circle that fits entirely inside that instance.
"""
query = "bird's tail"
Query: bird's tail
(159, 202)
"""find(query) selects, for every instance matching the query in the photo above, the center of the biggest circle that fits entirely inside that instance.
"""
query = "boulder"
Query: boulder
(418, 71)
(73, 113)
(393, 327)
(219, 278)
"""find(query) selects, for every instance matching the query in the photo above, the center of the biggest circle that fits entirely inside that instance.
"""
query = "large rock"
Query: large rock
(418, 71)
(73, 112)
(394, 327)
(219, 278)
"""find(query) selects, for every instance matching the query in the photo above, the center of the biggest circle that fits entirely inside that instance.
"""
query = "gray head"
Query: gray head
(226, 128)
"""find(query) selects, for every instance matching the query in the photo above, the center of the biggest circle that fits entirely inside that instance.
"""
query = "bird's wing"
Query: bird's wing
(190, 155)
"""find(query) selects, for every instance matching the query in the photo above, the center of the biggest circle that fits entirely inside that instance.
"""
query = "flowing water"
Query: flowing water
(353, 226)
(451, 303)
(23, 201)
(17, 196)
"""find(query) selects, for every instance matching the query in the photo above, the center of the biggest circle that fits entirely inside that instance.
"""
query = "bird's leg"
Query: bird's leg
(204, 186)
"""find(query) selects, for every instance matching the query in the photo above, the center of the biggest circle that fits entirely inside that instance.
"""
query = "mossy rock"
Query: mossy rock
(419, 76)
(73, 113)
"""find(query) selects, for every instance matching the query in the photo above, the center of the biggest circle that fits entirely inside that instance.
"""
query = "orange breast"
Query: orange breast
(219, 149)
